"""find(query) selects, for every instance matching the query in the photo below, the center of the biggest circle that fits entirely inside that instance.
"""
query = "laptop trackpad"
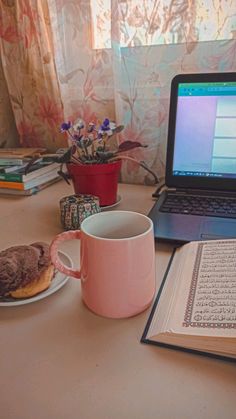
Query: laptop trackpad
(218, 229)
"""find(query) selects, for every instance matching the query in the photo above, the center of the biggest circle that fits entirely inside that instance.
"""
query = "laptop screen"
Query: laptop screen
(202, 127)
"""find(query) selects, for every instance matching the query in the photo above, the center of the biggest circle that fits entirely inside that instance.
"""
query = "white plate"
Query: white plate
(58, 282)
(106, 207)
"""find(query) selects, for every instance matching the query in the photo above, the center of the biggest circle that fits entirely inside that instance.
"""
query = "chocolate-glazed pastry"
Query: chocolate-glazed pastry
(25, 270)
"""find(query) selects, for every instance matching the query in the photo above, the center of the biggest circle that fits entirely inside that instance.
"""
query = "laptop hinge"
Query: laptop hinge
(189, 191)
(184, 191)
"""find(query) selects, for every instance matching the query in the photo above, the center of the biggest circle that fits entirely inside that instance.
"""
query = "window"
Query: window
(101, 20)
(149, 22)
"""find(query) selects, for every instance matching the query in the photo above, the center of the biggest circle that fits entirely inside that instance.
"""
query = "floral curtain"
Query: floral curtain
(145, 44)
(109, 58)
(27, 56)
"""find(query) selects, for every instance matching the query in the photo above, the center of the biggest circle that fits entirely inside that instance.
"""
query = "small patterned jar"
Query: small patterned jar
(75, 208)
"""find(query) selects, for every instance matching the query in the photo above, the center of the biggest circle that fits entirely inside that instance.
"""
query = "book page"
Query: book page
(204, 302)
(168, 295)
(209, 300)
(212, 297)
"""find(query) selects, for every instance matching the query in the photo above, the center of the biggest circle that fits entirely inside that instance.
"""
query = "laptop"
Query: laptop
(198, 201)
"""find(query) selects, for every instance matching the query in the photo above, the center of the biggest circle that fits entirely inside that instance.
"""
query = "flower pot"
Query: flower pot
(100, 180)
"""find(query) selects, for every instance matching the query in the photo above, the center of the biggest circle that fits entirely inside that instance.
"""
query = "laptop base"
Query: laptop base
(182, 228)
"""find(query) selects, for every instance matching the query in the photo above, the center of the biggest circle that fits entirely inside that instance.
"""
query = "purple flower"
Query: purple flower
(105, 125)
(107, 128)
(65, 126)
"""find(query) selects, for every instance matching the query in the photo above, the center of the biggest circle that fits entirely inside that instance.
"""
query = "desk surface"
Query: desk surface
(58, 360)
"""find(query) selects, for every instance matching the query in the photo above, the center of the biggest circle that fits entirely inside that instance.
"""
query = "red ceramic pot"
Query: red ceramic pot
(96, 179)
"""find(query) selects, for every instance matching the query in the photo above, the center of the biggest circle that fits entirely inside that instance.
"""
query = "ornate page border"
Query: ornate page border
(188, 322)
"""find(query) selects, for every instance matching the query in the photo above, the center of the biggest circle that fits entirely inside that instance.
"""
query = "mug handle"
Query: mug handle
(66, 235)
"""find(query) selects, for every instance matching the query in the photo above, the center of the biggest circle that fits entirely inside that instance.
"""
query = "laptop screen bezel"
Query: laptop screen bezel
(192, 181)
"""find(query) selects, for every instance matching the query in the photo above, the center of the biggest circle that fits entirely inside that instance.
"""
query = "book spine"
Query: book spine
(31, 191)
(11, 162)
(30, 184)
(10, 169)
(18, 192)
(11, 177)
(20, 177)
(11, 185)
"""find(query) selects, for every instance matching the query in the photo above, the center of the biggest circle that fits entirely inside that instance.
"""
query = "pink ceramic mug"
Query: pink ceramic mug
(117, 262)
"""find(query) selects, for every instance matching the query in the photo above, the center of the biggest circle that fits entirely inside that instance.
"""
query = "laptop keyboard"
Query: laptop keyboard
(200, 205)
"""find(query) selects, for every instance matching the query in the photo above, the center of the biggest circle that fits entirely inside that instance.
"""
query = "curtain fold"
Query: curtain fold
(8, 132)
(28, 64)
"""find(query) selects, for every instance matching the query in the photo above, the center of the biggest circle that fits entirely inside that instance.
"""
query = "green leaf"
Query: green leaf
(129, 145)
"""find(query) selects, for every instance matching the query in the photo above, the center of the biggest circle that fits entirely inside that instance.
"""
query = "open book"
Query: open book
(195, 308)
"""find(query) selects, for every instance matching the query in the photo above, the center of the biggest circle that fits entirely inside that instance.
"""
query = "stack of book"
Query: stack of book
(15, 180)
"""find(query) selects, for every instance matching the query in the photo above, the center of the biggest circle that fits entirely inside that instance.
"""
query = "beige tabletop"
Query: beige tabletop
(58, 360)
